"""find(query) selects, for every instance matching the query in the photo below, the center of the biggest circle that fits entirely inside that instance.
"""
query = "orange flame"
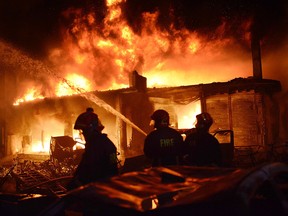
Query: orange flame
(156, 53)
(72, 84)
(31, 94)
(105, 54)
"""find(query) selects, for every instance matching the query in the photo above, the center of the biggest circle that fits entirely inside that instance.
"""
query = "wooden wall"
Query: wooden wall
(249, 114)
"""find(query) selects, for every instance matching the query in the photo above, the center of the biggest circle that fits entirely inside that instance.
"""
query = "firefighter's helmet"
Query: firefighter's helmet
(88, 120)
(160, 118)
(85, 120)
(204, 121)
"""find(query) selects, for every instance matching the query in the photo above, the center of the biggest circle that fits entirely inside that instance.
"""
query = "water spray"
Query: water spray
(92, 97)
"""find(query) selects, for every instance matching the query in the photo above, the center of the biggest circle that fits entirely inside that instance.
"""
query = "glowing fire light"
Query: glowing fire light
(70, 86)
(113, 2)
(78, 146)
(76, 81)
(187, 119)
(38, 147)
(31, 94)
(156, 53)
(166, 57)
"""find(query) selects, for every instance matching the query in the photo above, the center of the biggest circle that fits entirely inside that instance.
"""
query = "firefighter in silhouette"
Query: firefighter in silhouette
(202, 148)
(164, 145)
(84, 121)
(99, 159)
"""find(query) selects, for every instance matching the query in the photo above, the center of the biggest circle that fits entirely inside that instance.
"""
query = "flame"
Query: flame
(105, 50)
(113, 2)
(114, 50)
(30, 95)
(71, 84)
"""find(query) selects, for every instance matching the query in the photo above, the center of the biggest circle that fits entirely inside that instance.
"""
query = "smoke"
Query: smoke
(268, 18)
(36, 25)
(275, 65)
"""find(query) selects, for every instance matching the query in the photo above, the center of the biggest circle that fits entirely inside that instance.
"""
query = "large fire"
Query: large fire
(106, 56)
(99, 55)
(99, 59)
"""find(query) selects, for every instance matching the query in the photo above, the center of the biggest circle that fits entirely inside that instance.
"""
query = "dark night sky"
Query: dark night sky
(34, 25)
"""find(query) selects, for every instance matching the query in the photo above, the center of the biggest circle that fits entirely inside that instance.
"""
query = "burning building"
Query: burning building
(244, 106)
(85, 53)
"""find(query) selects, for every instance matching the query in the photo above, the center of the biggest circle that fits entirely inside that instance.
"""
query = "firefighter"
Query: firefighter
(164, 145)
(99, 159)
(202, 148)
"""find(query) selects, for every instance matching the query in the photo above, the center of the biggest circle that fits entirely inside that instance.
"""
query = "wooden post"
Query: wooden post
(256, 56)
